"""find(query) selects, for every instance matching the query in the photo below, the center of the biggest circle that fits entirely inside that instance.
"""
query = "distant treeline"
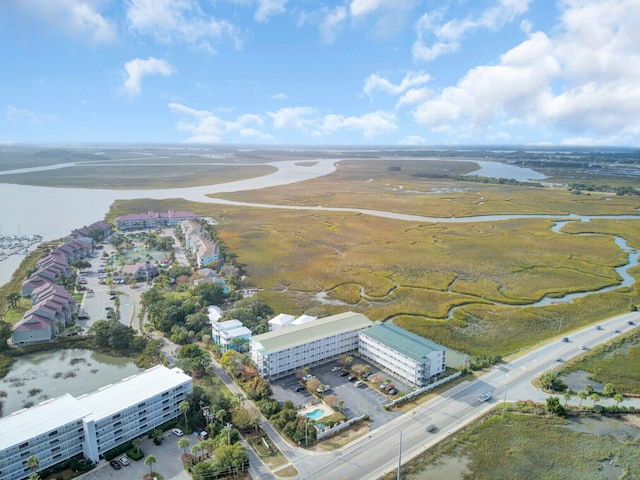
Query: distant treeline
(604, 188)
(478, 179)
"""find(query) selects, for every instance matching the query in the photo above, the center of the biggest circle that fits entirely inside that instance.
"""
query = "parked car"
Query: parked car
(485, 396)
(336, 369)
(306, 378)
(393, 391)
(300, 388)
(124, 461)
(359, 383)
(383, 385)
(177, 432)
(390, 387)
(115, 465)
(352, 378)
(323, 388)
(344, 373)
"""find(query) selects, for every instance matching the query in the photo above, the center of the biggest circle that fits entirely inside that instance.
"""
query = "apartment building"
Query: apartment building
(223, 334)
(135, 221)
(404, 354)
(286, 350)
(92, 424)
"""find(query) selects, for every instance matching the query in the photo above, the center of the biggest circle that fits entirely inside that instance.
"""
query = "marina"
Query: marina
(17, 244)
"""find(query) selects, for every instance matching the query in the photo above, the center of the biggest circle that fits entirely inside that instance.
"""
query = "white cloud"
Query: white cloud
(414, 96)
(331, 24)
(79, 19)
(279, 96)
(370, 124)
(584, 79)
(15, 114)
(206, 127)
(364, 7)
(517, 86)
(138, 68)
(179, 21)
(447, 35)
(413, 140)
(297, 117)
(269, 8)
(377, 82)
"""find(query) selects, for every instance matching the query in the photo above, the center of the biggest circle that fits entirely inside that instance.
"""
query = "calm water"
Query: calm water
(39, 376)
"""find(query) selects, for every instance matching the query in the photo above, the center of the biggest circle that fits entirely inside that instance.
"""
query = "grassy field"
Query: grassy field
(617, 362)
(519, 446)
(465, 285)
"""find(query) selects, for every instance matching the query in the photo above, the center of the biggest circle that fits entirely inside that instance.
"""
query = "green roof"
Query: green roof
(407, 343)
(300, 334)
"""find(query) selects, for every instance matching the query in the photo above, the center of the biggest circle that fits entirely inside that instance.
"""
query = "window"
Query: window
(55, 432)
(117, 415)
(24, 445)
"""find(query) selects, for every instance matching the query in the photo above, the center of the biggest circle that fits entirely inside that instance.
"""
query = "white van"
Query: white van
(359, 383)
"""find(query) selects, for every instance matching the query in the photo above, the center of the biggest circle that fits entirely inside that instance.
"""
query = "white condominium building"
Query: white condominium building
(402, 353)
(63, 427)
(286, 350)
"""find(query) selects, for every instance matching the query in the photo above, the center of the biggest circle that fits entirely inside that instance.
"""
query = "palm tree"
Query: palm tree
(608, 389)
(184, 408)
(582, 396)
(348, 360)
(196, 449)
(588, 389)
(34, 476)
(184, 443)
(595, 397)
(567, 397)
(33, 463)
(618, 397)
(255, 422)
(136, 443)
(150, 460)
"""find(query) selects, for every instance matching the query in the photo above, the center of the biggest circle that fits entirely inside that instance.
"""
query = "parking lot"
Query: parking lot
(363, 400)
(168, 462)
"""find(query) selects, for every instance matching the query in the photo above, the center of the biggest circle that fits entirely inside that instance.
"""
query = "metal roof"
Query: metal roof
(402, 341)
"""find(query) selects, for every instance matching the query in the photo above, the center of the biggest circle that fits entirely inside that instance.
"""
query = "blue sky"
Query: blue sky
(314, 72)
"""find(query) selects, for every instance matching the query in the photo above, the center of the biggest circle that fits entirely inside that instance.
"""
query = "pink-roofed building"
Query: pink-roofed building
(33, 328)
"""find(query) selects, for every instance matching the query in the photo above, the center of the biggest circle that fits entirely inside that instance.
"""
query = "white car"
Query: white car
(485, 396)
(336, 369)
(177, 432)
(124, 461)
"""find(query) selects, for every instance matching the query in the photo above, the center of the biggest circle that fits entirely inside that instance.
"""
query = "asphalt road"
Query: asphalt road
(373, 455)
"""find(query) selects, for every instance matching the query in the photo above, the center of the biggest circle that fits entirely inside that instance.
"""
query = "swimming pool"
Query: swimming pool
(315, 414)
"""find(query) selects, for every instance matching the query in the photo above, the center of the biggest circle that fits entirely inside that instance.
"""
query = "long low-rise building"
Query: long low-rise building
(402, 353)
(286, 350)
(92, 424)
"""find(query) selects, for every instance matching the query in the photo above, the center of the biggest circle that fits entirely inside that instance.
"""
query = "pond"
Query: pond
(36, 377)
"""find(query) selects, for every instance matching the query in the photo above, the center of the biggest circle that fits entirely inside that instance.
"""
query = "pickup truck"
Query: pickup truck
(324, 388)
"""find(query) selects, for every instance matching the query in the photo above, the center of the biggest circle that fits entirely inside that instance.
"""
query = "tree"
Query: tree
(567, 397)
(588, 389)
(196, 449)
(596, 398)
(184, 407)
(136, 443)
(618, 397)
(256, 422)
(184, 443)
(33, 463)
(608, 389)
(554, 406)
(582, 396)
(5, 334)
(313, 385)
(150, 460)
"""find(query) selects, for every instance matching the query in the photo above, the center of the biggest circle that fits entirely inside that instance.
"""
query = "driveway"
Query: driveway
(168, 463)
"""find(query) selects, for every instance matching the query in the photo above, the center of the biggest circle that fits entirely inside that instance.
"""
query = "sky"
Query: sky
(315, 72)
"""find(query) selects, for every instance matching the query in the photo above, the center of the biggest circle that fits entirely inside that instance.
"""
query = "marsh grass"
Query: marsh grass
(617, 362)
(516, 445)
(464, 285)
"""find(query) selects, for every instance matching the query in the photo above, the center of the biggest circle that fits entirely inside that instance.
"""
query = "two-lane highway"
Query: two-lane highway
(373, 455)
